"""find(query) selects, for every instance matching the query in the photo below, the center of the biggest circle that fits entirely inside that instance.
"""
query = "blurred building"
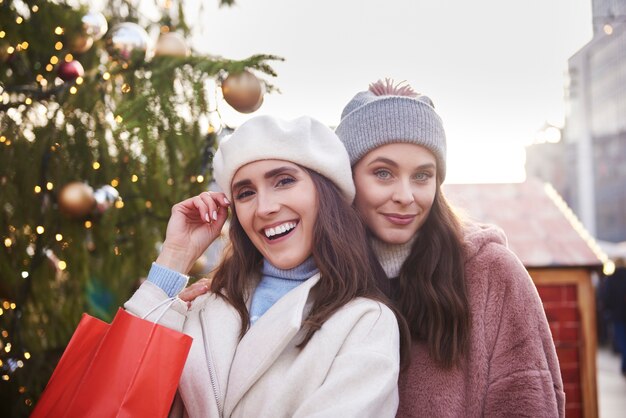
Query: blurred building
(588, 165)
(562, 258)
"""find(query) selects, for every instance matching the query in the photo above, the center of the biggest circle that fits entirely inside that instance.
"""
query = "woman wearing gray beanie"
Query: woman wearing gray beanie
(481, 341)
(293, 323)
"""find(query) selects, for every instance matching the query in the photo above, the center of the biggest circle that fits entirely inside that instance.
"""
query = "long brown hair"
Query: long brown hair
(432, 293)
(347, 266)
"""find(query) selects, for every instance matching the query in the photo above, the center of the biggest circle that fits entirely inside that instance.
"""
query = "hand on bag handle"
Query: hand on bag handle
(193, 225)
(191, 292)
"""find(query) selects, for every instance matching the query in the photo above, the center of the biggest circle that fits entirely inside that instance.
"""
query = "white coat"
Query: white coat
(349, 368)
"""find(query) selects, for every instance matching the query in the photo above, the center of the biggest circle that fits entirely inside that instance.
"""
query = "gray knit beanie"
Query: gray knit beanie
(387, 114)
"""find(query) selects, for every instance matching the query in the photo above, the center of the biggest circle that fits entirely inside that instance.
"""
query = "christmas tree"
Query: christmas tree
(100, 134)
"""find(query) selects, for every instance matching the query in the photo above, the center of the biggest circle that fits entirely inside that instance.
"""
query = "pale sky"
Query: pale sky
(495, 69)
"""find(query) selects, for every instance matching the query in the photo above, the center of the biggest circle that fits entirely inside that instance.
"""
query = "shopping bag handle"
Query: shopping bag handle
(171, 302)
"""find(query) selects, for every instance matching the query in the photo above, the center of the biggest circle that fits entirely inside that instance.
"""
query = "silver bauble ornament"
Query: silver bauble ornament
(95, 25)
(171, 44)
(127, 42)
(105, 197)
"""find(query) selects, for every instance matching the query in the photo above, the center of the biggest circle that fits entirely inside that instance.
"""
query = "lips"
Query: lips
(399, 219)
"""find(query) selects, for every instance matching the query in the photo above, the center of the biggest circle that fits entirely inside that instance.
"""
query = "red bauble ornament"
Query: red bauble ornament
(243, 91)
(70, 71)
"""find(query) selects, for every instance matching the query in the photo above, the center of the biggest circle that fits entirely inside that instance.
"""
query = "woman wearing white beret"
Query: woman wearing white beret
(293, 324)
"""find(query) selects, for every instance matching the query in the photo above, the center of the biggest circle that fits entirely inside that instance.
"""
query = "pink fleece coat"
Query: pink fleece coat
(512, 368)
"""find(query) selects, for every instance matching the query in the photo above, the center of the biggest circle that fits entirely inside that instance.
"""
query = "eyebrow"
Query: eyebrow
(394, 164)
(268, 175)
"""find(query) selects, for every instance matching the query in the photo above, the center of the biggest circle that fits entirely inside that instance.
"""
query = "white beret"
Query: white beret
(303, 141)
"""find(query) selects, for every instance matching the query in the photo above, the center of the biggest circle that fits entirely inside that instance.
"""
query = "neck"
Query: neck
(391, 256)
(301, 272)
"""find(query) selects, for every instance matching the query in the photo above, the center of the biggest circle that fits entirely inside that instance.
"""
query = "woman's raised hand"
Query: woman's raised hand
(194, 224)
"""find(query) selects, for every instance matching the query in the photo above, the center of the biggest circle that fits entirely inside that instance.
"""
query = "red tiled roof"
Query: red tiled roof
(538, 231)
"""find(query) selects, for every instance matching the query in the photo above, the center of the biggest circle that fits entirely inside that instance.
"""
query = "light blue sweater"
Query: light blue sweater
(274, 284)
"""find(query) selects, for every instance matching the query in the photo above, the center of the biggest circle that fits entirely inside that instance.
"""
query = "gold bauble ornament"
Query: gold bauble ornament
(4, 55)
(243, 91)
(171, 44)
(200, 266)
(76, 200)
(81, 43)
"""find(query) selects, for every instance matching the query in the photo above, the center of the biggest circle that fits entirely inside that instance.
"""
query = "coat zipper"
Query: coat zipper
(213, 377)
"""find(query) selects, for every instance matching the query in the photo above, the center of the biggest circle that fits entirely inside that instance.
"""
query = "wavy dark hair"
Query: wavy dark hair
(347, 265)
(432, 293)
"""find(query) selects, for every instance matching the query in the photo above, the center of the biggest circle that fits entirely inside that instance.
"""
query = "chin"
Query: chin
(396, 237)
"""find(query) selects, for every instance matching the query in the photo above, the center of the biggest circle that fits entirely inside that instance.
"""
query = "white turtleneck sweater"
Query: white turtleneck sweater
(391, 256)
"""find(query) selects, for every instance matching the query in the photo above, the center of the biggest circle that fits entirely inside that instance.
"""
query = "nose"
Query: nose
(402, 193)
(266, 203)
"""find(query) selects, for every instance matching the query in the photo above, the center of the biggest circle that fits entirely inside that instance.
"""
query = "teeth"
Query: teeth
(280, 229)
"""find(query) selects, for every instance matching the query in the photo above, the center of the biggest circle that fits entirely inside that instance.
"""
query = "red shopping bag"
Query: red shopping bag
(130, 368)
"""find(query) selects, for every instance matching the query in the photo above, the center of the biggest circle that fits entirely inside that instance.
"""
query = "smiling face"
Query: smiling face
(276, 205)
(395, 189)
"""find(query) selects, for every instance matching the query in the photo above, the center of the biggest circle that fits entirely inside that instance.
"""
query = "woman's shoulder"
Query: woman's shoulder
(481, 239)
(364, 324)
(368, 305)
(490, 263)
(365, 312)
